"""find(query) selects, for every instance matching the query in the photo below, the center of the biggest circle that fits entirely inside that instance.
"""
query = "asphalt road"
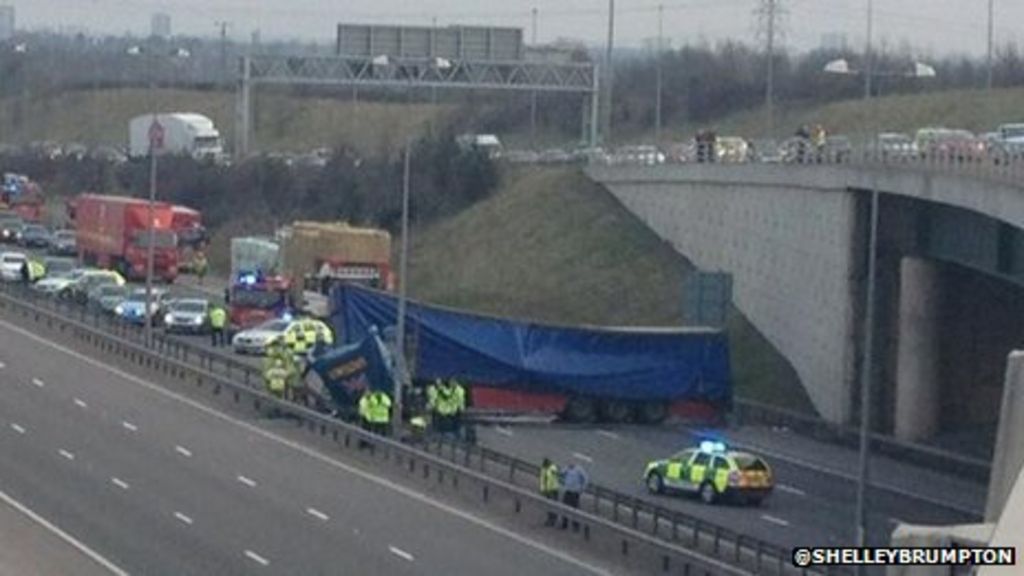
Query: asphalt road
(815, 496)
(157, 484)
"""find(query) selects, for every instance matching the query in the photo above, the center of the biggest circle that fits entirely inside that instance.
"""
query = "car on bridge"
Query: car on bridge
(713, 473)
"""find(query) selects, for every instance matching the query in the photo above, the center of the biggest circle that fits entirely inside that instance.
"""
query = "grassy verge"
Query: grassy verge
(555, 247)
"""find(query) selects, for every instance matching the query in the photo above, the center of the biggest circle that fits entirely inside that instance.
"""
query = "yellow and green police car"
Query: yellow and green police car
(713, 473)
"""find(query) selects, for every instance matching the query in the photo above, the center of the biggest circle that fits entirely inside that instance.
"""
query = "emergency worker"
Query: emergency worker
(549, 484)
(218, 321)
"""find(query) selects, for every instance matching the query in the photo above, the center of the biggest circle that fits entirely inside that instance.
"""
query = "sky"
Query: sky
(932, 27)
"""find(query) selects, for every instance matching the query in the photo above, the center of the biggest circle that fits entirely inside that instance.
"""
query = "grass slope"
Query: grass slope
(553, 246)
(280, 122)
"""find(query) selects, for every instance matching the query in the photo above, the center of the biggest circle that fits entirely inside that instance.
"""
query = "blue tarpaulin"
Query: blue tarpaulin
(628, 364)
(349, 370)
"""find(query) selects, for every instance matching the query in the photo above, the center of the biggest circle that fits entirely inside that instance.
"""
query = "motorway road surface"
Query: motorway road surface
(811, 505)
(158, 484)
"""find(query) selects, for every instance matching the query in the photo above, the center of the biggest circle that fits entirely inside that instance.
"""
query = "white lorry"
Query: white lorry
(180, 133)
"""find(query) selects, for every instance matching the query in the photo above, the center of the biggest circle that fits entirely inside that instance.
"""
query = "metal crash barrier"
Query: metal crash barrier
(641, 535)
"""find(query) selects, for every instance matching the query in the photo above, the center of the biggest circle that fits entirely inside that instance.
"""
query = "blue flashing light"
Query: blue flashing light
(249, 278)
(287, 317)
(710, 446)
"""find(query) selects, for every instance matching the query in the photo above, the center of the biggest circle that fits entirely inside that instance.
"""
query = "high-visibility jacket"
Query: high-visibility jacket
(218, 317)
(432, 393)
(276, 376)
(548, 479)
(458, 395)
(36, 270)
(375, 407)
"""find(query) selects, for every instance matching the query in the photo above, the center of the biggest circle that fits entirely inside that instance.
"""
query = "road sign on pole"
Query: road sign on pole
(156, 135)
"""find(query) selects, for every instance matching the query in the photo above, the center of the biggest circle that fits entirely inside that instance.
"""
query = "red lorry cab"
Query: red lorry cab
(113, 232)
(188, 227)
(254, 299)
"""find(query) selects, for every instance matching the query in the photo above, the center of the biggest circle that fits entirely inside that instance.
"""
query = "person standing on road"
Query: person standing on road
(218, 319)
(549, 487)
(574, 482)
(200, 265)
(375, 411)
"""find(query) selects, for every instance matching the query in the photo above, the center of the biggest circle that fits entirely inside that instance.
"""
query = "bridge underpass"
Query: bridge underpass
(794, 237)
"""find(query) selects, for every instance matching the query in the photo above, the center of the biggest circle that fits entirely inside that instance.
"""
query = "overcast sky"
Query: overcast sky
(932, 26)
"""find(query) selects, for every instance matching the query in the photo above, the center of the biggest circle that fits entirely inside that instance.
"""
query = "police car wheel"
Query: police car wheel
(654, 483)
(707, 493)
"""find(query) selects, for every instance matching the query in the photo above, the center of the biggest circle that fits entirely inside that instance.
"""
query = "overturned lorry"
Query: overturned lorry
(580, 373)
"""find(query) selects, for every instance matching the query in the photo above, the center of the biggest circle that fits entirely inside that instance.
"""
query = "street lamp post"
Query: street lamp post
(403, 279)
(841, 66)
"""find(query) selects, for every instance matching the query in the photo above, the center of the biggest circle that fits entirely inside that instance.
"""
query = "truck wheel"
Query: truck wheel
(652, 412)
(615, 411)
(580, 409)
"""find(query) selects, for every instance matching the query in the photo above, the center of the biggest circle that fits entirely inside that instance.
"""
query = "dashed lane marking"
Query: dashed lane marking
(66, 454)
(581, 456)
(17, 428)
(608, 434)
(503, 431)
(38, 383)
(790, 489)
(183, 451)
(129, 426)
(257, 558)
(317, 514)
(119, 483)
(774, 520)
(401, 553)
(247, 481)
(184, 519)
(80, 403)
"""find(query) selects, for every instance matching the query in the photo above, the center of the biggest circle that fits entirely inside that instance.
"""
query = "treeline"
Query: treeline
(367, 191)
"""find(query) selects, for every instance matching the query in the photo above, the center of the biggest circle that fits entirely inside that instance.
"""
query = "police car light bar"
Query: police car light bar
(711, 446)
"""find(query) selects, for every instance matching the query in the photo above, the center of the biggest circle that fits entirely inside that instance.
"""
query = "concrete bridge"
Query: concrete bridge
(950, 271)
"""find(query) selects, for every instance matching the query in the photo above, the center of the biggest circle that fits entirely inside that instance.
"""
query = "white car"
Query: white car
(255, 340)
(187, 315)
(54, 284)
(10, 265)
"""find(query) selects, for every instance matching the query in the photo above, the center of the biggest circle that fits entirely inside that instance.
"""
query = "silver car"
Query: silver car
(188, 315)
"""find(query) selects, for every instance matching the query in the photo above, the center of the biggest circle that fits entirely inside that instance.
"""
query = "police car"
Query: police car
(712, 472)
(300, 335)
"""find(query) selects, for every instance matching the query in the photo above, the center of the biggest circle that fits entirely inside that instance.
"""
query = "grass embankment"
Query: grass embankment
(280, 122)
(555, 247)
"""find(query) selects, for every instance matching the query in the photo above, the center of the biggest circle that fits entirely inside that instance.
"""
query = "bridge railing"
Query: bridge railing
(643, 533)
(1003, 165)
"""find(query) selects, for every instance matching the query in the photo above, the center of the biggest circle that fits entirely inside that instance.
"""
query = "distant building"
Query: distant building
(835, 41)
(6, 22)
(160, 25)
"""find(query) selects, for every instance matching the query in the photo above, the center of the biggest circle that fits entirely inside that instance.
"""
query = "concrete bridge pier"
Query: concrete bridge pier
(918, 365)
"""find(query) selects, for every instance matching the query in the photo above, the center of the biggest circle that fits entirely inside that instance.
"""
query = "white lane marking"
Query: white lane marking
(774, 520)
(608, 434)
(183, 451)
(38, 383)
(503, 431)
(129, 426)
(2, 365)
(313, 454)
(183, 518)
(401, 553)
(66, 454)
(80, 403)
(248, 482)
(257, 558)
(119, 483)
(790, 489)
(580, 456)
(92, 554)
(317, 514)
(17, 428)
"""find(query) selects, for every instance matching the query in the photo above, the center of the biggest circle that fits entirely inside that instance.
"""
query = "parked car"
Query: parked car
(56, 266)
(106, 297)
(11, 226)
(63, 243)
(56, 284)
(10, 265)
(34, 236)
(895, 146)
(189, 315)
(133, 308)
(86, 281)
